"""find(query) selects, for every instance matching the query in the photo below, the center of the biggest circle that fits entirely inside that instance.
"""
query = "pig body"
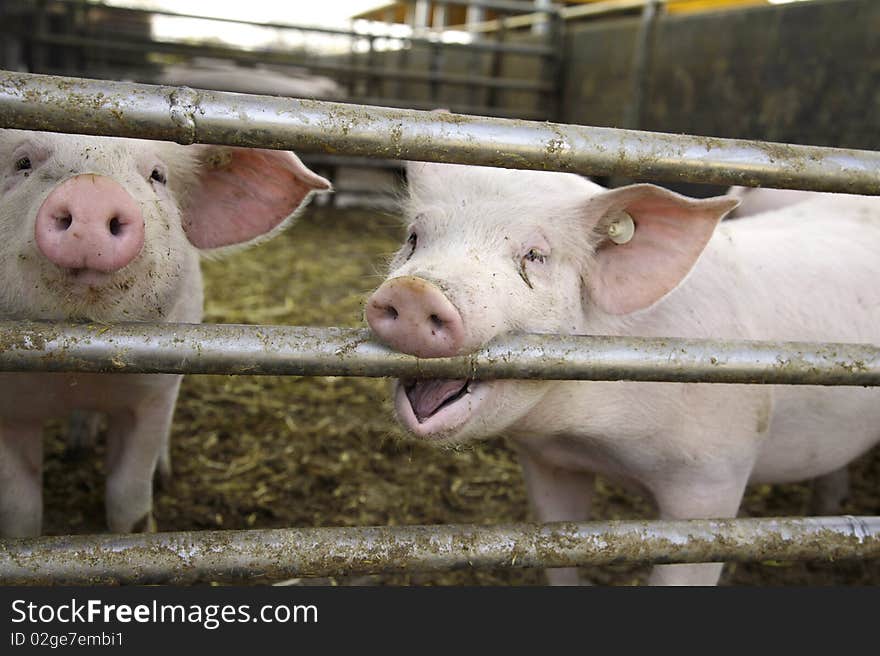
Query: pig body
(106, 230)
(830, 491)
(528, 251)
(757, 200)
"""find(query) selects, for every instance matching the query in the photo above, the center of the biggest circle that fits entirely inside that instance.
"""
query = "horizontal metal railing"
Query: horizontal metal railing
(278, 57)
(285, 350)
(190, 557)
(569, 13)
(185, 115)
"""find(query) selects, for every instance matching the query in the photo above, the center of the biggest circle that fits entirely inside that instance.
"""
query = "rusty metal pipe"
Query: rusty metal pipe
(185, 115)
(302, 351)
(189, 557)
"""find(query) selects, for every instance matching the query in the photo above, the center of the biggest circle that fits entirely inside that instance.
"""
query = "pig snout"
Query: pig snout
(90, 222)
(413, 316)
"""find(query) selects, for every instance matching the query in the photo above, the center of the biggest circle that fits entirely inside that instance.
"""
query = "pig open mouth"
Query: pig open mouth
(428, 397)
(429, 408)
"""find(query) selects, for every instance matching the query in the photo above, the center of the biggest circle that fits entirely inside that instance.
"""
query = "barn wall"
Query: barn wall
(802, 72)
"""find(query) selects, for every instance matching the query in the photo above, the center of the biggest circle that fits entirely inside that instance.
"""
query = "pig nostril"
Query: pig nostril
(391, 311)
(115, 226)
(436, 321)
(64, 222)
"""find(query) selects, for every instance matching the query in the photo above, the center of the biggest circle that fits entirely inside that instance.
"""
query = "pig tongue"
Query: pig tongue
(426, 396)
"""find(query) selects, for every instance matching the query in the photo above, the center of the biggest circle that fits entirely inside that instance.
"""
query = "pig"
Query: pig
(105, 230)
(756, 200)
(492, 251)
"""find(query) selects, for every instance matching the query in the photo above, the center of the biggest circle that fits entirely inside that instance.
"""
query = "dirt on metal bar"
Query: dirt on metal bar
(190, 557)
(305, 351)
(62, 104)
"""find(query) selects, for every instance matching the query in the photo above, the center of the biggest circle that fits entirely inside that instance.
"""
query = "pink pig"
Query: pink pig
(756, 200)
(492, 251)
(107, 229)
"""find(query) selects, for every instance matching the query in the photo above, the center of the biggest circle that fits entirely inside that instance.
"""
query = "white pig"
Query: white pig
(491, 251)
(756, 200)
(108, 229)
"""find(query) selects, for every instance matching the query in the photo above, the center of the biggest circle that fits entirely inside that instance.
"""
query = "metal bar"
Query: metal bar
(278, 57)
(38, 52)
(496, 66)
(524, 49)
(594, 10)
(189, 557)
(435, 66)
(371, 78)
(554, 68)
(567, 13)
(301, 351)
(489, 46)
(639, 71)
(504, 6)
(105, 107)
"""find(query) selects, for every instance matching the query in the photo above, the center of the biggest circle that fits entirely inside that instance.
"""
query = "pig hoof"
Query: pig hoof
(146, 524)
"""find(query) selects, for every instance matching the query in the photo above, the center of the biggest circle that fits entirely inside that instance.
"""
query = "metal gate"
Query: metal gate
(39, 102)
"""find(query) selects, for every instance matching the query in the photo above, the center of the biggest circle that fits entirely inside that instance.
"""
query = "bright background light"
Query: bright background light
(331, 13)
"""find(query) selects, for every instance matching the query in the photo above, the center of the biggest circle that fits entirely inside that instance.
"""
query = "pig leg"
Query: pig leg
(83, 429)
(163, 467)
(829, 492)
(687, 498)
(21, 480)
(136, 439)
(557, 495)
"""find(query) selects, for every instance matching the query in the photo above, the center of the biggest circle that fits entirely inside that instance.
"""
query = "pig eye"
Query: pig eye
(413, 241)
(535, 256)
(158, 176)
(23, 164)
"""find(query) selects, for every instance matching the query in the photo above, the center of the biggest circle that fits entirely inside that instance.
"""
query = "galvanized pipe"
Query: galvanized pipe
(299, 351)
(190, 557)
(185, 115)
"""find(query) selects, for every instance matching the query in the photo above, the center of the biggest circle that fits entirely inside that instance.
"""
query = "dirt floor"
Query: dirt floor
(265, 452)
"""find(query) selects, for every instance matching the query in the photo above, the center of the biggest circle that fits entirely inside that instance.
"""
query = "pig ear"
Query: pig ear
(670, 233)
(241, 194)
(415, 169)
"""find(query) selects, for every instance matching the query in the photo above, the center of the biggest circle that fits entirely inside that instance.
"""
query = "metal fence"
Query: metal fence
(65, 40)
(185, 115)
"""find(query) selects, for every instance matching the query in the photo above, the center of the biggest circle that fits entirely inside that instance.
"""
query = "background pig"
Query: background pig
(491, 251)
(105, 230)
(756, 200)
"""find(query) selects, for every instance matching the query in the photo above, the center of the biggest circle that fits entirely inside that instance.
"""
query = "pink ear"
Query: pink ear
(243, 193)
(670, 233)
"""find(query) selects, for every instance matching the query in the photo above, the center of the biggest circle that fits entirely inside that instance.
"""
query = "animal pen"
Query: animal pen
(186, 115)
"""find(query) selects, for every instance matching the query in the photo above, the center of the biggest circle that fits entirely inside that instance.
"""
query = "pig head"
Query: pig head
(475, 266)
(105, 230)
